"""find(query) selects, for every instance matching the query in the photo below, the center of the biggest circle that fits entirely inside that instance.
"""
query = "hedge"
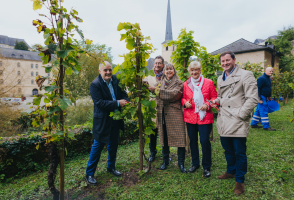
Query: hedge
(18, 155)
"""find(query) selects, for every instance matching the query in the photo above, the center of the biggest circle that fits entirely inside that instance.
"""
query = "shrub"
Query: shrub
(80, 113)
(7, 126)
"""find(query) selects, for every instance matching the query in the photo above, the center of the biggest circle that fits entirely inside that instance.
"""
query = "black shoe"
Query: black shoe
(114, 172)
(269, 129)
(151, 158)
(169, 159)
(91, 180)
(183, 169)
(193, 168)
(164, 166)
(255, 126)
(206, 173)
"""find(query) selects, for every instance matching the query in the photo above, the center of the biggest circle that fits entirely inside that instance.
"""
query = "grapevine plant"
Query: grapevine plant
(63, 61)
(131, 73)
(185, 48)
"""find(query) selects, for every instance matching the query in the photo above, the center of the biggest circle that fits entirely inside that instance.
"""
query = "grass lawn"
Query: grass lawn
(270, 172)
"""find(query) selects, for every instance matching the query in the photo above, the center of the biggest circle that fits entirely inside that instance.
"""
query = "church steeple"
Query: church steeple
(168, 31)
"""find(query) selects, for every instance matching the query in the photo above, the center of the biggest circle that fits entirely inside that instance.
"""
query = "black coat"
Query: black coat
(103, 105)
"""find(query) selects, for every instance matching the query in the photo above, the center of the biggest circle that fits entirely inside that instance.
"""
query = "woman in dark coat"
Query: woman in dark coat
(170, 121)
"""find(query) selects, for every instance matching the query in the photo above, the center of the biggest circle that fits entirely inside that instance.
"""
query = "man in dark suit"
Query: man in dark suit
(107, 97)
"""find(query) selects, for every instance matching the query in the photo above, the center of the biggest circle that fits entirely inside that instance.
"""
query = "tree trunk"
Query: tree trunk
(188, 150)
(287, 98)
(284, 100)
(61, 119)
(140, 117)
(51, 174)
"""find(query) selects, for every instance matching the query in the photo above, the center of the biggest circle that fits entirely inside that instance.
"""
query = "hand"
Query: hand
(122, 102)
(188, 105)
(151, 89)
(261, 102)
(204, 107)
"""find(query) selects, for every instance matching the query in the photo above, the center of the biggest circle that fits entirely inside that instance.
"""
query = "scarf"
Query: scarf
(158, 75)
(198, 96)
(167, 82)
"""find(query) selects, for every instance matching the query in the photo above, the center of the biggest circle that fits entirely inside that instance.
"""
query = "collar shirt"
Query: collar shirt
(225, 74)
(110, 87)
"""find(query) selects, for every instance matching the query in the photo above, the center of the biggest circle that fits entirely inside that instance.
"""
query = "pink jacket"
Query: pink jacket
(208, 91)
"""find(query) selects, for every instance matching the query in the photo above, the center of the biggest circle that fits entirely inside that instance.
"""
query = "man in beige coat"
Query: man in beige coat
(237, 96)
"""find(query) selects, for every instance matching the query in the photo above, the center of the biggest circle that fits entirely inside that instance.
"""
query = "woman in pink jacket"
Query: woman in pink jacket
(198, 115)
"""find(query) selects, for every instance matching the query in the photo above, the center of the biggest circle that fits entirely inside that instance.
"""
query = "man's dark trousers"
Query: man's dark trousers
(153, 141)
(97, 148)
(235, 152)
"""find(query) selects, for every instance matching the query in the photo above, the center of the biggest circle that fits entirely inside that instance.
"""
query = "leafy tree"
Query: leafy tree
(185, 48)
(255, 68)
(284, 45)
(210, 65)
(79, 84)
(57, 98)
(131, 73)
(21, 46)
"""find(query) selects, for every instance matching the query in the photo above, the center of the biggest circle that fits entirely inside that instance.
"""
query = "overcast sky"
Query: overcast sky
(215, 23)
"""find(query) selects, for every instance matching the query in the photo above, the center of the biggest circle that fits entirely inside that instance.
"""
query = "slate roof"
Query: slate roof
(11, 41)
(20, 54)
(168, 30)
(241, 46)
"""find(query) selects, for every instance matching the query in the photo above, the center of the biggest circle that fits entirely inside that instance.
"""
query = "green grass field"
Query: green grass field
(270, 172)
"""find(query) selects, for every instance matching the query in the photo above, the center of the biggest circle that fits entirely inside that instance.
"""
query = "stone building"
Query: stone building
(8, 42)
(18, 71)
(246, 51)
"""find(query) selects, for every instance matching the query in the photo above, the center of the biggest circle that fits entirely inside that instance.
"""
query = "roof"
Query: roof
(20, 54)
(11, 41)
(241, 46)
(258, 41)
(168, 30)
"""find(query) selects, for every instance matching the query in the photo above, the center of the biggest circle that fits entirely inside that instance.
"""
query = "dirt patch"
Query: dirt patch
(130, 178)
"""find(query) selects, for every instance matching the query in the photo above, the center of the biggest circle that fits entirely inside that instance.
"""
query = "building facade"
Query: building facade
(246, 51)
(18, 71)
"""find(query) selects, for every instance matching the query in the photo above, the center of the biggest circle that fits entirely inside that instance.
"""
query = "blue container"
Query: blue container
(273, 106)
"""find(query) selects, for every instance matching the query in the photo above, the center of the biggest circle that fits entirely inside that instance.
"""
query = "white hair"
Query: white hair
(102, 65)
(193, 65)
(268, 68)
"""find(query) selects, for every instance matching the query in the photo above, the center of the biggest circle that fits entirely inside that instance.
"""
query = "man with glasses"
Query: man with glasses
(152, 81)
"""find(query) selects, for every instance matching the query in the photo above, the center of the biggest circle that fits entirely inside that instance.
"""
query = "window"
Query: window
(1, 72)
(0, 63)
(166, 48)
(173, 48)
(48, 74)
(36, 66)
(12, 54)
(19, 90)
(21, 56)
(37, 73)
(32, 65)
(19, 81)
(32, 73)
(18, 64)
(32, 81)
(49, 81)
(18, 73)
(1, 81)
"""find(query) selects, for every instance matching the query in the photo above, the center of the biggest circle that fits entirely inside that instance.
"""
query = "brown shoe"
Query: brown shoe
(239, 188)
(226, 176)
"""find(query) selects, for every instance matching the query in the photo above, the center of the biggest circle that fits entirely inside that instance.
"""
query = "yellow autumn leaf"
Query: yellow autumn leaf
(40, 29)
(37, 4)
(37, 147)
(35, 22)
(88, 41)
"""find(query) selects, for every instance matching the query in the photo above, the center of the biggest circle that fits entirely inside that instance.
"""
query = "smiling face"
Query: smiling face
(269, 71)
(227, 62)
(195, 72)
(169, 72)
(158, 65)
(106, 72)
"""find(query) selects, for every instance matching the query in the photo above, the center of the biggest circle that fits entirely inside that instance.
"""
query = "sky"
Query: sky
(216, 23)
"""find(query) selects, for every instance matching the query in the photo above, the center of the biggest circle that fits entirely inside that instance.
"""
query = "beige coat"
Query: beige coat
(237, 96)
(169, 100)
